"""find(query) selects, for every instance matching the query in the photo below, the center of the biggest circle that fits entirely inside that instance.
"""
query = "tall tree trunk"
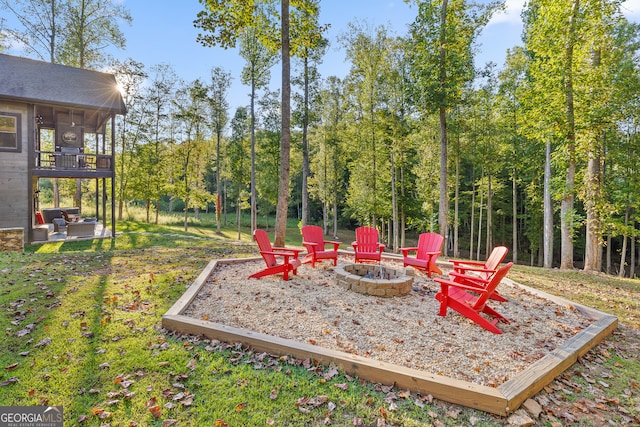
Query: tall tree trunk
(566, 207)
(186, 214)
(547, 246)
(632, 255)
(305, 146)
(394, 205)
(514, 235)
(238, 211)
(489, 242)
(254, 209)
(480, 221)
(608, 255)
(443, 207)
(218, 186)
(335, 218)
(593, 245)
(623, 252)
(456, 217)
(473, 212)
(285, 135)
(594, 180)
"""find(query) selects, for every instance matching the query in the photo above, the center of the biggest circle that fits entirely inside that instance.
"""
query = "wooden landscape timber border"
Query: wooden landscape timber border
(501, 400)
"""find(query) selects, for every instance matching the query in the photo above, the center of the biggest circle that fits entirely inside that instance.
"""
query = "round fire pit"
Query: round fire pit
(373, 279)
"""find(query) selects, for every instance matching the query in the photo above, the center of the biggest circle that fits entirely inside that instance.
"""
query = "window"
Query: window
(10, 139)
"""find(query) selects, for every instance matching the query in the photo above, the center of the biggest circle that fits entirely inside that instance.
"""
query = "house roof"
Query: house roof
(43, 82)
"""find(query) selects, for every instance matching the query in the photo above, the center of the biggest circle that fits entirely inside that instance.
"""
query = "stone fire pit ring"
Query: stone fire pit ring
(365, 279)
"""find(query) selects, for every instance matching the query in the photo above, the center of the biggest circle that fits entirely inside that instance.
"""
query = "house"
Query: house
(55, 122)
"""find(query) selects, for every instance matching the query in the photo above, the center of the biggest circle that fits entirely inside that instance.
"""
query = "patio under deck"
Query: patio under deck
(99, 232)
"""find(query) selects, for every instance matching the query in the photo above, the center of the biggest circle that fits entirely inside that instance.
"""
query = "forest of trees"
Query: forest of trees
(539, 155)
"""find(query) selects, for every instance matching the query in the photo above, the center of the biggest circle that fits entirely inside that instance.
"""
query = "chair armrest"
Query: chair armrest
(462, 269)
(310, 245)
(475, 279)
(292, 250)
(459, 262)
(286, 255)
(405, 251)
(445, 284)
(335, 244)
(381, 246)
(469, 280)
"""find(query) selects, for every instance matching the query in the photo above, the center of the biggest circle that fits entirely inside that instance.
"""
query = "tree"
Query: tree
(189, 155)
(512, 78)
(41, 22)
(130, 76)
(90, 27)
(256, 74)
(328, 162)
(158, 94)
(370, 53)
(237, 153)
(441, 58)
(220, 83)
(312, 48)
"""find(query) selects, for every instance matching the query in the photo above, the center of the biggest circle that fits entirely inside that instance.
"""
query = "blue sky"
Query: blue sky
(162, 32)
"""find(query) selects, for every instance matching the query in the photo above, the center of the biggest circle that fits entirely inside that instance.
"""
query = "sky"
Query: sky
(162, 32)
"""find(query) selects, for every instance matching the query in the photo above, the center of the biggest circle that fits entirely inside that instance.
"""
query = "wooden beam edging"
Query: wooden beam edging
(441, 387)
(502, 400)
(530, 381)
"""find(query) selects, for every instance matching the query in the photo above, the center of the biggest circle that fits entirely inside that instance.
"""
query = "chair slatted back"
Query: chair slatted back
(264, 244)
(491, 286)
(428, 242)
(313, 234)
(367, 239)
(495, 257)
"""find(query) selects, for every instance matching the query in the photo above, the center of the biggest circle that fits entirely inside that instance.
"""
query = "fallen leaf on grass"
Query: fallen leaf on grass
(240, 407)
(220, 423)
(342, 386)
(331, 373)
(156, 411)
(11, 380)
(169, 422)
(27, 330)
(11, 367)
(383, 413)
(44, 342)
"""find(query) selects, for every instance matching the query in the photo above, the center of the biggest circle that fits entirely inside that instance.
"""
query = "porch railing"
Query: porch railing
(57, 160)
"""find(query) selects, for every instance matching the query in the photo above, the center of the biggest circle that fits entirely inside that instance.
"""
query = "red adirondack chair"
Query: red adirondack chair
(427, 252)
(470, 301)
(477, 272)
(290, 257)
(367, 248)
(313, 240)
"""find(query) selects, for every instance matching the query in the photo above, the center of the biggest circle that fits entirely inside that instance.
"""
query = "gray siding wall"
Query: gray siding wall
(14, 176)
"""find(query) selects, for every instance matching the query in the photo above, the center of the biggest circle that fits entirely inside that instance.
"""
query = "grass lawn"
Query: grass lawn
(82, 330)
